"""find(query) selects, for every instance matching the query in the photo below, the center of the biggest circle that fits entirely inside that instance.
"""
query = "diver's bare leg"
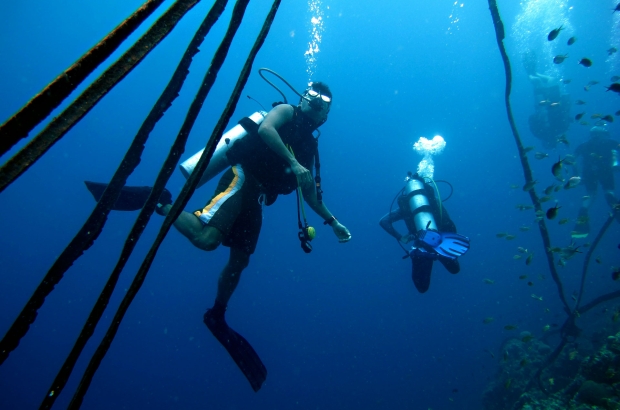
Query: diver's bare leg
(203, 237)
(229, 278)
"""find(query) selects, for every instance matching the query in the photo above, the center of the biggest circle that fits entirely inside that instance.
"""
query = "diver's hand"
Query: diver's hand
(341, 232)
(406, 239)
(304, 177)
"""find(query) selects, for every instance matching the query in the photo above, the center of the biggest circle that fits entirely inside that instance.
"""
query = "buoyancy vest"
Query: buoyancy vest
(270, 170)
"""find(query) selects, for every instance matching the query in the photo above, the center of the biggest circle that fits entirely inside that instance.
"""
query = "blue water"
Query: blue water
(342, 327)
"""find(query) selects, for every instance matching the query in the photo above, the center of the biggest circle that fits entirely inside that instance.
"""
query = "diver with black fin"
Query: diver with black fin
(266, 155)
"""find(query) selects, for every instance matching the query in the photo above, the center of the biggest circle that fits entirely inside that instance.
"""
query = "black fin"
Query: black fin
(239, 349)
(132, 198)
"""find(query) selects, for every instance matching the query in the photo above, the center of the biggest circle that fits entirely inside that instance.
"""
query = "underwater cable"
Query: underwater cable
(181, 202)
(41, 105)
(60, 125)
(102, 209)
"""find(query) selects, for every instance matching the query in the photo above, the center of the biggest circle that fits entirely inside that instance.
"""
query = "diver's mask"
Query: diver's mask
(316, 99)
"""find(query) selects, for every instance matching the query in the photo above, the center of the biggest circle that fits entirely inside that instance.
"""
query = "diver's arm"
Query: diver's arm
(321, 210)
(387, 221)
(268, 131)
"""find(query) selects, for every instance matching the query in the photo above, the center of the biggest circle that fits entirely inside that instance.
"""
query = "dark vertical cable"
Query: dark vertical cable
(41, 105)
(60, 125)
(188, 188)
(527, 171)
(110, 195)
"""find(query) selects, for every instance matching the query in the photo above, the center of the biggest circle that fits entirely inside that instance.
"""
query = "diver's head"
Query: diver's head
(599, 131)
(316, 101)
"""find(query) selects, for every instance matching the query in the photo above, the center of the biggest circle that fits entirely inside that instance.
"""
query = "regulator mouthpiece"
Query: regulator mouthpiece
(427, 148)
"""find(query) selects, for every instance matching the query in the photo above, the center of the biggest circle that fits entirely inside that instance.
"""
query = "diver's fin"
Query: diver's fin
(239, 349)
(453, 245)
(131, 198)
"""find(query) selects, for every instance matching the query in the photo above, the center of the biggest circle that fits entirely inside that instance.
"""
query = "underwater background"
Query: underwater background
(342, 327)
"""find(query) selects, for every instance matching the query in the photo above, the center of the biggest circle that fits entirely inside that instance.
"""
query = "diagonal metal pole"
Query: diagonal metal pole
(41, 105)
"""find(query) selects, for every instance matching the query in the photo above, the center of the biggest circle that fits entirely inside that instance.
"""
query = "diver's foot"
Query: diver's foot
(164, 199)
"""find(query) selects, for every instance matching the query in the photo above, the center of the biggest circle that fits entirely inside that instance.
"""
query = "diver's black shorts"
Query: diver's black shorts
(234, 210)
(591, 178)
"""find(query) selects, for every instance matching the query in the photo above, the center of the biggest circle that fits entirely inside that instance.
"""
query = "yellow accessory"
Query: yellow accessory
(311, 232)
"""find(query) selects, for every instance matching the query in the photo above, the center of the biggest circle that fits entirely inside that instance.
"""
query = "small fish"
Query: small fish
(584, 122)
(580, 102)
(616, 316)
(523, 363)
(569, 159)
(593, 82)
(529, 259)
(559, 59)
(595, 116)
(553, 212)
(540, 212)
(517, 257)
(554, 33)
(615, 87)
(521, 249)
(608, 118)
(545, 199)
(501, 234)
(536, 297)
(527, 149)
(586, 62)
(584, 219)
(546, 328)
(507, 384)
(617, 113)
(510, 237)
(615, 275)
(489, 352)
(556, 170)
(572, 182)
(510, 327)
(487, 320)
(529, 185)
(578, 116)
(523, 277)
(561, 262)
(563, 140)
(522, 207)
(540, 155)
(563, 221)
(571, 41)
(524, 228)
(551, 381)
(572, 355)
(573, 297)
(598, 260)
(527, 338)
(505, 356)
(611, 51)
(530, 284)
(567, 81)
(488, 281)
(586, 88)
(615, 78)
(555, 249)
(514, 186)
(549, 189)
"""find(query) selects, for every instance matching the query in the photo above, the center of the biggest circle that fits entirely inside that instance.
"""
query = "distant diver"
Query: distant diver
(600, 157)
(551, 117)
(265, 158)
(430, 229)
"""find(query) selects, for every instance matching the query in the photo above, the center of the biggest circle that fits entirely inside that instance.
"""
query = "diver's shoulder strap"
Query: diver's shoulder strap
(250, 126)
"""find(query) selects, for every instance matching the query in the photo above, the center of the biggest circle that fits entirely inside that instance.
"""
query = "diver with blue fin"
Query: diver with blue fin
(429, 226)
(265, 155)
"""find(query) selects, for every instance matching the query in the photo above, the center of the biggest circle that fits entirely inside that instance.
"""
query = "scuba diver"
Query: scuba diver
(599, 159)
(419, 208)
(551, 117)
(267, 160)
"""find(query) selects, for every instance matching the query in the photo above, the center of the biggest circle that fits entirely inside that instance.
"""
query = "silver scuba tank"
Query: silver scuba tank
(423, 219)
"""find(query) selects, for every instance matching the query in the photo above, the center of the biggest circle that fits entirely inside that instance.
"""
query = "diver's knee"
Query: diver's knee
(239, 260)
(208, 240)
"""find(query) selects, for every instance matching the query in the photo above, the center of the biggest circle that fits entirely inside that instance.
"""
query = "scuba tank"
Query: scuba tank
(428, 241)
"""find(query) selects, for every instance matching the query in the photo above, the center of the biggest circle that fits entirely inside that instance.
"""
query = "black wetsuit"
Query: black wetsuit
(422, 265)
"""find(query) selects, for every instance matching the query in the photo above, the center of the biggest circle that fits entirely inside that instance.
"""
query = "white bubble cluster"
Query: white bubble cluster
(316, 34)
(427, 148)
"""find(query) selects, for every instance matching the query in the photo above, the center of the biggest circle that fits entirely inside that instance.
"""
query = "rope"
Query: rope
(41, 105)
(127, 166)
(188, 188)
(527, 171)
(61, 124)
